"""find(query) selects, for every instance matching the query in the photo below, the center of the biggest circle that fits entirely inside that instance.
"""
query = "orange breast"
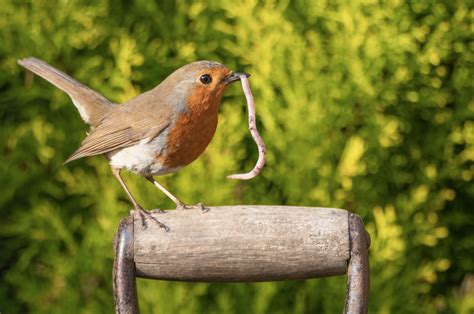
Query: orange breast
(192, 132)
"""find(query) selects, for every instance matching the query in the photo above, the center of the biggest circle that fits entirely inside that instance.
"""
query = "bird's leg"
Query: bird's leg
(179, 204)
(136, 206)
(117, 175)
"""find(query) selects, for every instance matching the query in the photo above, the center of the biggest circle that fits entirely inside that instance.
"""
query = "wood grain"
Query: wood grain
(243, 243)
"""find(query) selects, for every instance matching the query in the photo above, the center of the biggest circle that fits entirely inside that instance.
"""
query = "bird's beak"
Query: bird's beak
(234, 76)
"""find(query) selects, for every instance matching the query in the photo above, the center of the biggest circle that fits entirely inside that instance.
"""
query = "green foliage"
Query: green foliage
(364, 105)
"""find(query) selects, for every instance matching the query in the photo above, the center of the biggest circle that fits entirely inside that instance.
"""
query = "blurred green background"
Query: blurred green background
(364, 105)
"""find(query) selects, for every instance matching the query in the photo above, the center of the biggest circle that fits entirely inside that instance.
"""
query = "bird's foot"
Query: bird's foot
(201, 206)
(149, 214)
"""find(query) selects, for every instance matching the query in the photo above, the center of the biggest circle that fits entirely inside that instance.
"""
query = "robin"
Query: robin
(155, 133)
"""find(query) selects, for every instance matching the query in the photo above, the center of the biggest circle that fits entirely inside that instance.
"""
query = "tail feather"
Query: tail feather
(91, 105)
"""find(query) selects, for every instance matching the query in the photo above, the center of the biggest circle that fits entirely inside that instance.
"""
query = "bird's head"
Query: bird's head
(201, 83)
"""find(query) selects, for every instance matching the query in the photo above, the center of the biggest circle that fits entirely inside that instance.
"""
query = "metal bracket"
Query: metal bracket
(358, 279)
(124, 282)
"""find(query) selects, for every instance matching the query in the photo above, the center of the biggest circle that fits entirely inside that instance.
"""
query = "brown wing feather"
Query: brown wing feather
(96, 145)
(122, 129)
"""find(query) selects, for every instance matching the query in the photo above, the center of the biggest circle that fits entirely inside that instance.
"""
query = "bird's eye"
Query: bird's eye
(205, 79)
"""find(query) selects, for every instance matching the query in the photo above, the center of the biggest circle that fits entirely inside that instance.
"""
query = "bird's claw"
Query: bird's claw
(144, 213)
(200, 206)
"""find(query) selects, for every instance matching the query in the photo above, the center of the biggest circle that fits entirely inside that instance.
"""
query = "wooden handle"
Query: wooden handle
(243, 243)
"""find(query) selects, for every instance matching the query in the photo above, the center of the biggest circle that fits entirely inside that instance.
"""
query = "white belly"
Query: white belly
(141, 158)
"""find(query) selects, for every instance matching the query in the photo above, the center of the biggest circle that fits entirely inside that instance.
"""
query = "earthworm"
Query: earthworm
(253, 130)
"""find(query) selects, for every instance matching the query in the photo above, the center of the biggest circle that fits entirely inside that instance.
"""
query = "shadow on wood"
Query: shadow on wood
(243, 244)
